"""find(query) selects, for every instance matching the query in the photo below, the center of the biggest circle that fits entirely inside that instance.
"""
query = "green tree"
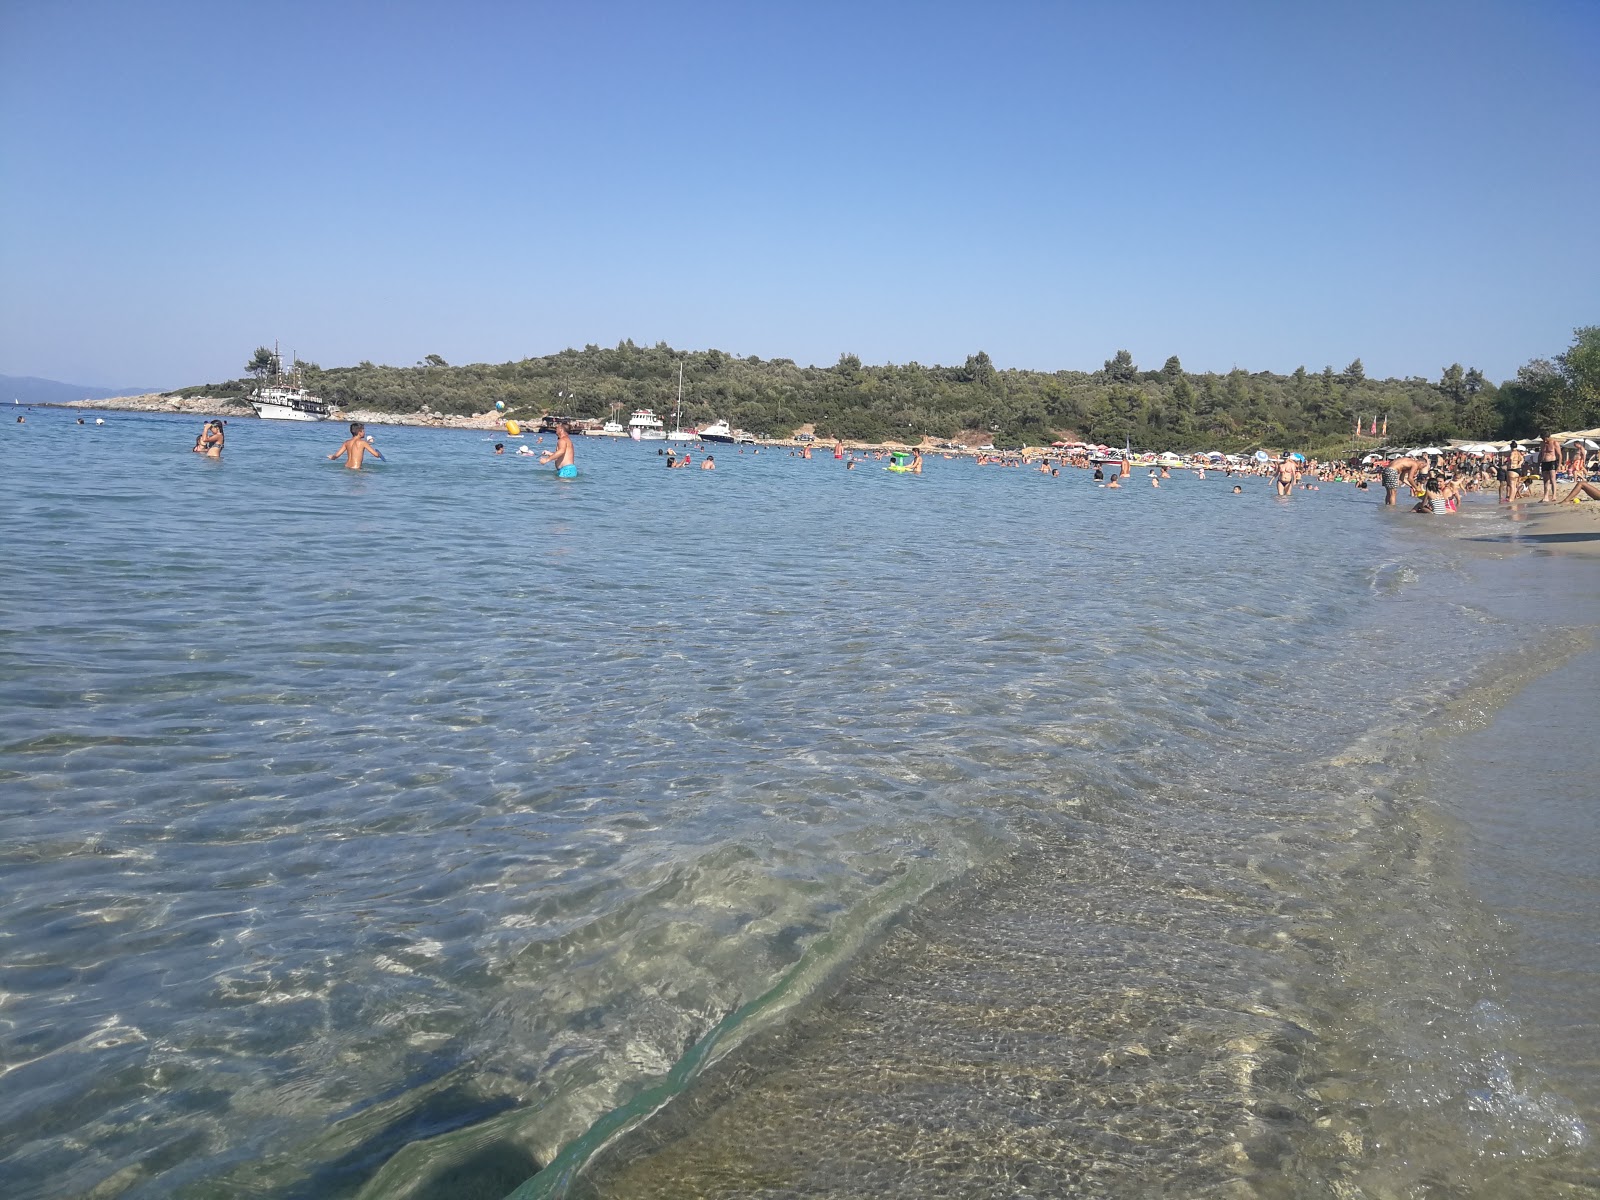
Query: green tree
(1120, 368)
(1580, 365)
(1355, 373)
(260, 363)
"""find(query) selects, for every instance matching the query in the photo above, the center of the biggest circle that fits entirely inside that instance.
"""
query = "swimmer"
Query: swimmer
(499, 447)
(710, 463)
(563, 455)
(851, 465)
(1115, 481)
(916, 462)
(80, 420)
(1237, 489)
(1154, 482)
(355, 447)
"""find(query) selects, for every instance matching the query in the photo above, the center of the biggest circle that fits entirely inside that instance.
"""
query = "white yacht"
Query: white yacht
(718, 431)
(645, 426)
(285, 397)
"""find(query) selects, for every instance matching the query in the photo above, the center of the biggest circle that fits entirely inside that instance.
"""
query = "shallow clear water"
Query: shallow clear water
(381, 833)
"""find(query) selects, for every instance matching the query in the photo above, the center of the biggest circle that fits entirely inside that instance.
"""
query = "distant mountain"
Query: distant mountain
(51, 391)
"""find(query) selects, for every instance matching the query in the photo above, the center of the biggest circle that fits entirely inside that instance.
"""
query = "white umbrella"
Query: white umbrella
(1262, 456)
(1429, 450)
(1370, 458)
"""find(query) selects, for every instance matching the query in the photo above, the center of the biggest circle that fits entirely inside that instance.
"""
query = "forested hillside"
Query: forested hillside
(1165, 408)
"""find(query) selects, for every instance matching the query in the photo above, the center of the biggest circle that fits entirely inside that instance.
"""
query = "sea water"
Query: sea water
(427, 830)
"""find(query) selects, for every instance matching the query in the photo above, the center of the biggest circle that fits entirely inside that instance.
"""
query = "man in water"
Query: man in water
(499, 447)
(710, 463)
(916, 462)
(562, 455)
(1407, 469)
(355, 447)
(1391, 482)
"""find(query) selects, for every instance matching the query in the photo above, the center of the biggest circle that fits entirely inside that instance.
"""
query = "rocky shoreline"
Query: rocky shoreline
(217, 406)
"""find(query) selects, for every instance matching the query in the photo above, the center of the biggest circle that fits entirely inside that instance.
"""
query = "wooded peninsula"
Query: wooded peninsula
(1167, 408)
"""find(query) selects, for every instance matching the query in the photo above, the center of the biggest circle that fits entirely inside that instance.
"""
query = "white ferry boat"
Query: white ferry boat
(285, 397)
(645, 426)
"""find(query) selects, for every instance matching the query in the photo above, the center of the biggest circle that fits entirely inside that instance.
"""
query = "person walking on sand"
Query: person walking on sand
(563, 455)
(1549, 462)
(355, 447)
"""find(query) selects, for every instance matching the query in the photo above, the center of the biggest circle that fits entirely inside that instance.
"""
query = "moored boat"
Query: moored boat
(285, 398)
(645, 426)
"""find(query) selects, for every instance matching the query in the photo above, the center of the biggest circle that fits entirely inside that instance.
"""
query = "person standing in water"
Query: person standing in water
(563, 455)
(1288, 473)
(1514, 461)
(355, 447)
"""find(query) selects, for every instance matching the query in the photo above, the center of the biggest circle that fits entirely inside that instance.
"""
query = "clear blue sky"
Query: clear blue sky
(1255, 184)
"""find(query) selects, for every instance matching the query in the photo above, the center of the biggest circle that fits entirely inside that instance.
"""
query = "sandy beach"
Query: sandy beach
(1566, 528)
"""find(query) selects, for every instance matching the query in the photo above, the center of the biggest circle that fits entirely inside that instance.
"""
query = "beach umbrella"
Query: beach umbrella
(1430, 450)
(1214, 454)
(1298, 457)
(1370, 458)
(1262, 456)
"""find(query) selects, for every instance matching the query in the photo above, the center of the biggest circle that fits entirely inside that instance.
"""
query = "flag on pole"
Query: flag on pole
(1374, 426)
(1385, 424)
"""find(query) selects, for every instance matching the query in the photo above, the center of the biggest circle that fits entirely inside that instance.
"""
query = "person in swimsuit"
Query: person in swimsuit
(210, 440)
(1583, 488)
(1288, 473)
(1391, 482)
(1549, 461)
(710, 463)
(355, 447)
(563, 455)
(916, 462)
(1514, 460)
